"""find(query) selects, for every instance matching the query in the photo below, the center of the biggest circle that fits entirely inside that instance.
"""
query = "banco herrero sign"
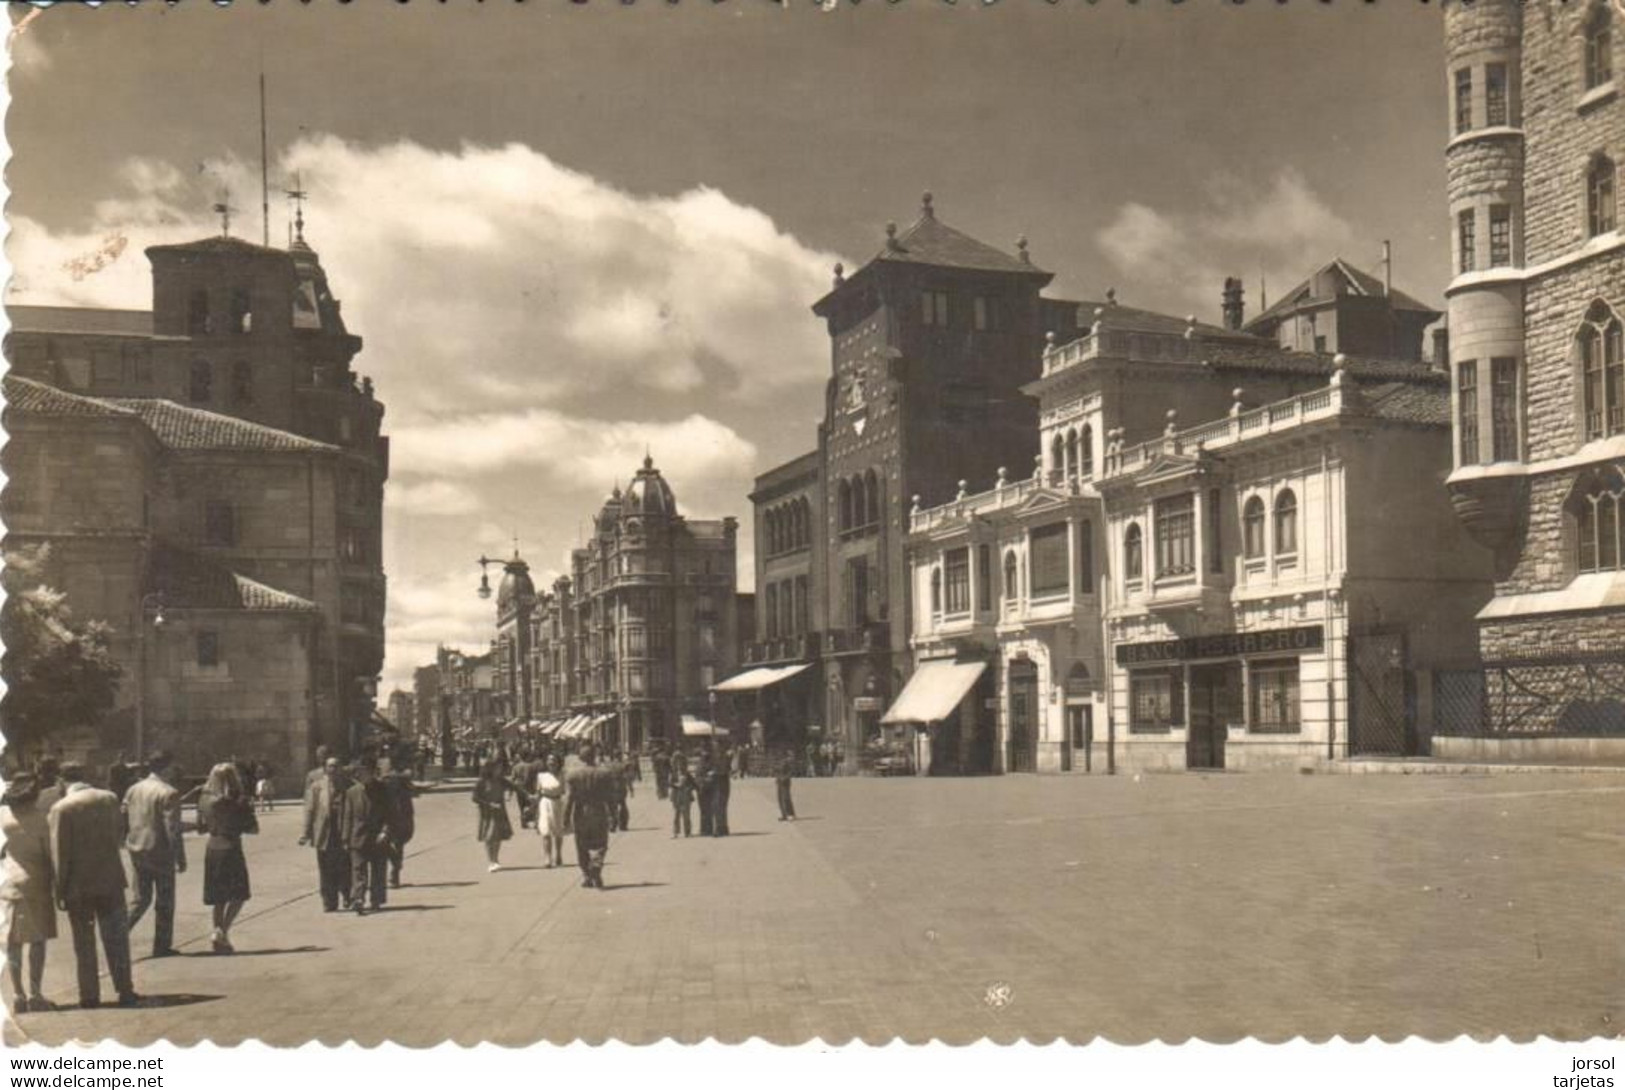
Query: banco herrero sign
(1223, 645)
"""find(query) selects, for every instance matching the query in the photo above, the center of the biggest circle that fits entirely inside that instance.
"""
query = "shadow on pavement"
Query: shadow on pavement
(268, 952)
(633, 885)
(407, 908)
(438, 885)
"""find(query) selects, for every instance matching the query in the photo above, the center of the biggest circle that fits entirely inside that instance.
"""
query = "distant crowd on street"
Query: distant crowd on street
(107, 856)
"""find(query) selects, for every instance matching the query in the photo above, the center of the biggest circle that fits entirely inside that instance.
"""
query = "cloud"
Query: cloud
(1281, 228)
(553, 446)
(484, 277)
(430, 498)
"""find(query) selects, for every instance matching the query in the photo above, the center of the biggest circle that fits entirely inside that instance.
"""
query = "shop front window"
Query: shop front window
(1274, 691)
(1156, 700)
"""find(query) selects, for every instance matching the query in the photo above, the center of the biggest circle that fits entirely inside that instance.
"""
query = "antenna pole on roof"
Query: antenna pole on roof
(1387, 268)
(265, 185)
(1263, 293)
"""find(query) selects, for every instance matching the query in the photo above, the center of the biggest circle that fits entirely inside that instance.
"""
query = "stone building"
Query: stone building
(218, 619)
(930, 340)
(268, 451)
(1019, 593)
(428, 713)
(1536, 306)
(654, 614)
(401, 710)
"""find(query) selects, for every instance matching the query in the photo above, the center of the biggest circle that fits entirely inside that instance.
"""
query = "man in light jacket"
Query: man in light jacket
(152, 813)
(89, 883)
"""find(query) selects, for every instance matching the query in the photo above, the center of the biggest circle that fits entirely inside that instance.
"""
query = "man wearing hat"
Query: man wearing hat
(152, 812)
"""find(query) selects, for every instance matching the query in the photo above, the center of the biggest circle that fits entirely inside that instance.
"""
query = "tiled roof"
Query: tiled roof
(1268, 358)
(188, 580)
(181, 427)
(102, 320)
(27, 395)
(931, 242)
(1409, 403)
(1362, 282)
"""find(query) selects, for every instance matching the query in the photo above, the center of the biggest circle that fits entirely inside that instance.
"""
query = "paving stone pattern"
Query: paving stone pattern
(1215, 906)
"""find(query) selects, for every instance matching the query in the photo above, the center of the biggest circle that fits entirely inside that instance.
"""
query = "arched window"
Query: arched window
(871, 493)
(1072, 453)
(1601, 212)
(1599, 48)
(242, 311)
(1057, 458)
(1286, 523)
(1252, 528)
(197, 313)
(936, 591)
(1086, 452)
(1598, 507)
(860, 504)
(1133, 553)
(843, 492)
(1602, 366)
(202, 384)
(1012, 573)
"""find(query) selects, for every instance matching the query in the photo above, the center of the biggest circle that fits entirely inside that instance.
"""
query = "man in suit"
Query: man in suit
(324, 830)
(90, 883)
(589, 812)
(319, 771)
(401, 816)
(152, 813)
(366, 834)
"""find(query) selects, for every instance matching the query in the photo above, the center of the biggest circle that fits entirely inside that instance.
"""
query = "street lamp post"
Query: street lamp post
(153, 604)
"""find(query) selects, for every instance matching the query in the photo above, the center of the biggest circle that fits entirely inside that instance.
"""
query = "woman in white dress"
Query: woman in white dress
(27, 908)
(550, 810)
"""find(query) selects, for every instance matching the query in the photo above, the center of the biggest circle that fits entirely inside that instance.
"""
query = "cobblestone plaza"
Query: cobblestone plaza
(1218, 906)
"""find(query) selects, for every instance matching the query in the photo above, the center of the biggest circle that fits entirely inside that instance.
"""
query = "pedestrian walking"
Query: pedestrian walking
(719, 803)
(620, 781)
(367, 837)
(27, 907)
(524, 776)
(324, 831)
(320, 771)
(225, 868)
(89, 884)
(662, 770)
(400, 817)
(589, 812)
(783, 773)
(744, 760)
(550, 810)
(264, 788)
(491, 796)
(152, 814)
(120, 775)
(705, 791)
(682, 798)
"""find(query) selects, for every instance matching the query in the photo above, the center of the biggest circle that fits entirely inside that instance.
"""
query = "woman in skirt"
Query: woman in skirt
(225, 870)
(550, 810)
(491, 796)
(27, 912)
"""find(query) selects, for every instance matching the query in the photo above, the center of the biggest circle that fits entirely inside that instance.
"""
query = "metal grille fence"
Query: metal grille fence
(1571, 698)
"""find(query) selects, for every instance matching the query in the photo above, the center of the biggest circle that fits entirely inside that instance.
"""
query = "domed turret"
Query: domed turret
(649, 495)
(516, 589)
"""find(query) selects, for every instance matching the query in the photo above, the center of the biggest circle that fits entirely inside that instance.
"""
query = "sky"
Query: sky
(568, 234)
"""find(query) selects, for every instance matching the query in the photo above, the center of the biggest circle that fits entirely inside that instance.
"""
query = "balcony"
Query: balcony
(1118, 343)
(786, 649)
(1323, 404)
(860, 639)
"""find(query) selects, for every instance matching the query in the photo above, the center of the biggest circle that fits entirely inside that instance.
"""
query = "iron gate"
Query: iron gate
(1379, 699)
(1569, 697)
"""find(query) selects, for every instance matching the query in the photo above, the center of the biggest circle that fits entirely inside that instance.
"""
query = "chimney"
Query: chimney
(1234, 308)
(1441, 347)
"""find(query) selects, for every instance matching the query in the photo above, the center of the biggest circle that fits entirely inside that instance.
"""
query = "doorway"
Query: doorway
(1023, 745)
(1080, 738)
(1215, 702)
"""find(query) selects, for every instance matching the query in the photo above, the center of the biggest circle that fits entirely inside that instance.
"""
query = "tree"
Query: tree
(58, 674)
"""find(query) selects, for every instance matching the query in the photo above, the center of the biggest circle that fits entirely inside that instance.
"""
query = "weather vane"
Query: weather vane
(298, 194)
(223, 209)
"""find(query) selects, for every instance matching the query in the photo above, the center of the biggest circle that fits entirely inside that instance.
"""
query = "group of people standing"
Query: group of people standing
(359, 818)
(588, 803)
(65, 842)
(706, 780)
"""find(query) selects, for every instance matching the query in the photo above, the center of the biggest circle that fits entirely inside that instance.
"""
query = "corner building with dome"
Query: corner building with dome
(649, 619)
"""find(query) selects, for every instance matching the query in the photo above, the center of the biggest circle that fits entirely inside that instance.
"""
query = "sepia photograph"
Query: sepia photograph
(834, 523)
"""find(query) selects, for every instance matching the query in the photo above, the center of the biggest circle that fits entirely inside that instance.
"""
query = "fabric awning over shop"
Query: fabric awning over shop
(934, 691)
(699, 728)
(759, 678)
